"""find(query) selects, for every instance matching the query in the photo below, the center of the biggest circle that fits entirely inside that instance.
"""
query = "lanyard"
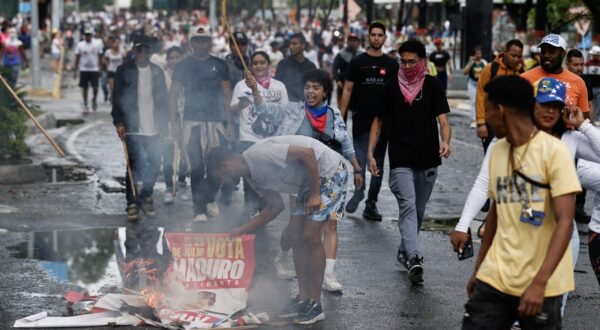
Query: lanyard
(511, 158)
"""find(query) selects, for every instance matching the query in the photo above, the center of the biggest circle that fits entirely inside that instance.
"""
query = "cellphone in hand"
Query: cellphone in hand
(243, 98)
(467, 251)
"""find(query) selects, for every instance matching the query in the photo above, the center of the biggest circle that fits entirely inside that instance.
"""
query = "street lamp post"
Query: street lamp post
(35, 45)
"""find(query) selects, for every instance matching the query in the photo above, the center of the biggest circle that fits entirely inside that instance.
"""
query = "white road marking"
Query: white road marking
(70, 145)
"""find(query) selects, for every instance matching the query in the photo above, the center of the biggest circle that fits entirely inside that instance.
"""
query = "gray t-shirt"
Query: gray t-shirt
(269, 170)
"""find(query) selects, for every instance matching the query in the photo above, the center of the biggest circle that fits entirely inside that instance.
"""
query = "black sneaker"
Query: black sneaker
(148, 207)
(580, 215)
(370, 212)
(402, 259)
(313, 312)
(352, 204)
(415, 270)
(293, 308)
(132, 212)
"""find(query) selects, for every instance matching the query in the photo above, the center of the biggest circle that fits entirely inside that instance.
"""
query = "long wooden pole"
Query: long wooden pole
(132, 182)
(175, 166)
(24, 107)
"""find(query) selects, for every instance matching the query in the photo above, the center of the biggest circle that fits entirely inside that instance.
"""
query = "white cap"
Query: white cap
(201, 31)
(595, 50)
(554, 40)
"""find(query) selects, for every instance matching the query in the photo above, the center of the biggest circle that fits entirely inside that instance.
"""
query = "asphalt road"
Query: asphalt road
(65, 236)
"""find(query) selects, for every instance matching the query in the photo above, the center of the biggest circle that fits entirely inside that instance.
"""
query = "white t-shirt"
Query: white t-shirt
(270, 171)
(250, 129)
(88, 56)
(114, 60)
(55, 47)
(146, 101)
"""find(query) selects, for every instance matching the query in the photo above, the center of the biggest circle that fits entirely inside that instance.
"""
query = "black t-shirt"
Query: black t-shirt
(413, 132)
(289, 72)
(203, 89)
(439, 59)
(369, 75)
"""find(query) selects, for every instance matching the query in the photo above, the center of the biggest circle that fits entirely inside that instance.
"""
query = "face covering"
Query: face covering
(411, 80)
(264, 80)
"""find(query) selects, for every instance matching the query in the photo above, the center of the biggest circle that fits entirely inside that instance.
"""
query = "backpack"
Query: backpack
(496, 66)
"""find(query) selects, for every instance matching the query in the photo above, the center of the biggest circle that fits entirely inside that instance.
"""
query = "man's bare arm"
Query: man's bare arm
(346, 94)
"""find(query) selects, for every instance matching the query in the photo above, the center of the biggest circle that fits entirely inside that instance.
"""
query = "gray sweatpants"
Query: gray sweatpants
(412, 190)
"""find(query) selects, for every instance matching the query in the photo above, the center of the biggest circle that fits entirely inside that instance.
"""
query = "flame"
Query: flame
(152, 297)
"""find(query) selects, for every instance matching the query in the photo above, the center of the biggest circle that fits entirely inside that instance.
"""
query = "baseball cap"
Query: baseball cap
(88, 30)
(201, 31)
(352, 35)
(240, 38)
(437, 41)
(140, 41)
(595, 50)
(554, 40)
(550, 90)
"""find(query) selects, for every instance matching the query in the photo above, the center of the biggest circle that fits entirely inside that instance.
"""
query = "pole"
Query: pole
(175, 166)
(55, 14)
(35, 45)
(235, 44)
(129, 171)
(32, 117)
(212, 13)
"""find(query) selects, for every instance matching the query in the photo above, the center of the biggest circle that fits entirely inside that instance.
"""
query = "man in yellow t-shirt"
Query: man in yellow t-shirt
(525, 264)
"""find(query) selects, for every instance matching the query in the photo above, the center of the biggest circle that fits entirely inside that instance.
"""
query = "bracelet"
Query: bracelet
(479, 125)
(359, 171)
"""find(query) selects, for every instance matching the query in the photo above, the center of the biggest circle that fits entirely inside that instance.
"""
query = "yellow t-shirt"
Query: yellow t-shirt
(519, 248)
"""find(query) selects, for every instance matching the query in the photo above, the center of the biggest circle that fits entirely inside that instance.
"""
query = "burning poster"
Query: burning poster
(208, 278)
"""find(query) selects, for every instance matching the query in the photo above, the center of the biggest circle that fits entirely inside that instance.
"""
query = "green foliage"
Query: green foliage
(12, 127)
(94, 5)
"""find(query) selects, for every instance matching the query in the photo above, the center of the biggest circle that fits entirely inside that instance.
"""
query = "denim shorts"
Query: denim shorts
(333, 197)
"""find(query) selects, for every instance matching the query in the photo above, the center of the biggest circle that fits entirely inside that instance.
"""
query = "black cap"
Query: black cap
(240, 38)
(141, 41)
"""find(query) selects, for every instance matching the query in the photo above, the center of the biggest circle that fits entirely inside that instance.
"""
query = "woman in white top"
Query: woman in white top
(583, 142)
(55, 50)
(113, 57)
(253, 128)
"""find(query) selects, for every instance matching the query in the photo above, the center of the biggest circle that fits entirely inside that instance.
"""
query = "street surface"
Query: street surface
(65, 235)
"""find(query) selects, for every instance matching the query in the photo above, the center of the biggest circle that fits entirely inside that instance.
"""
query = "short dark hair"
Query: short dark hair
(261, 53)
(514, 42)
(174, 49)
(513, 92)
(216, 156)
(413, 46)
(299, 36)
(574, 53)
(377, 25)
(321, 77)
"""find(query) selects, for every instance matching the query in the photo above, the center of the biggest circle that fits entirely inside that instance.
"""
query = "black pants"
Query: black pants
(594, 248)
(361, 146)
(489, 308)
(143, 149)
(252, 200)
(204, 186)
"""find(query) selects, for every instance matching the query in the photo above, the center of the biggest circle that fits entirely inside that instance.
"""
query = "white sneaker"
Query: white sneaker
(213, 209)
(597, 123)
(285, 267)
(473, 124)
(331, 283)
(168, 198)
(183, 193)
(201, 218)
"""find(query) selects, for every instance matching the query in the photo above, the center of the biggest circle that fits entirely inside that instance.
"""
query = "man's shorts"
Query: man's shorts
(333, 197)
(88, 77)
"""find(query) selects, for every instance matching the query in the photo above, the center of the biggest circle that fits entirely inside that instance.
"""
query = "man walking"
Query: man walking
(293, 165)
(443, 63)
(207, 93)
(414, 104)
(140, 115)
(525, 261)
(342, 61)
(88, 56)
(507, 63)
(366, 77)
(290, 69)
(553, 51)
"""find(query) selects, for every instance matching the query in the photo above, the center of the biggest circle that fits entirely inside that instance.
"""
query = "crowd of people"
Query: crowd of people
(256, 105)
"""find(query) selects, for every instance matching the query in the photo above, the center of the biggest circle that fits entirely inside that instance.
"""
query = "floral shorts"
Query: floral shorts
(333, 197)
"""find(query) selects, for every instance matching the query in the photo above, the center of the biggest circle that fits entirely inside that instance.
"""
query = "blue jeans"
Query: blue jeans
(412, 190)
(361, 146)
(13, 75)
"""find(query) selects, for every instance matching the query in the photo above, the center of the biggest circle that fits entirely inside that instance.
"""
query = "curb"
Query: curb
(16, 174)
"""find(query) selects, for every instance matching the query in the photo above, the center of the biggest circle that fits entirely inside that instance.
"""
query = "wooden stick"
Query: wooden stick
(24, 107)
(129, 171)
(235, 45)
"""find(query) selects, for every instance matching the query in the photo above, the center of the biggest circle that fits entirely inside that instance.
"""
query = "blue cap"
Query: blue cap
(550, 90)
